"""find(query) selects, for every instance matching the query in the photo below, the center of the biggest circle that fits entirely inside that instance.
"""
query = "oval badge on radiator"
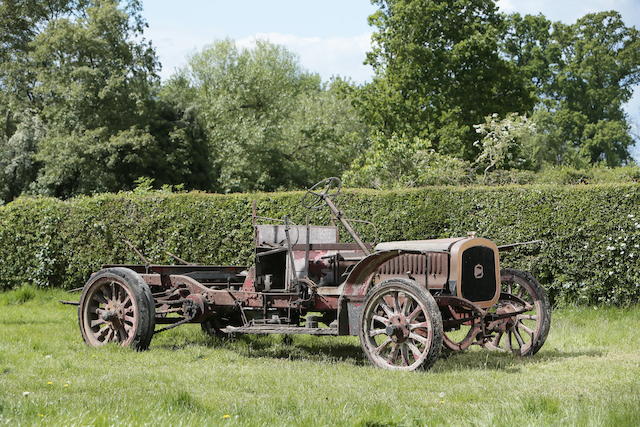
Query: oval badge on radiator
(478, 271)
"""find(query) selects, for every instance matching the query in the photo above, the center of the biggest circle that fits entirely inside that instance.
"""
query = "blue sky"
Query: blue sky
(331, 37)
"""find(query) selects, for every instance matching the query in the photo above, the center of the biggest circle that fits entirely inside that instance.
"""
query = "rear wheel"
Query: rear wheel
(401, 326)
(525, 333)
(116, 306)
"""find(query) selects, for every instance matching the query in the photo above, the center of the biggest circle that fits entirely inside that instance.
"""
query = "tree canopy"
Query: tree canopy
(460, 93)
(270, 124)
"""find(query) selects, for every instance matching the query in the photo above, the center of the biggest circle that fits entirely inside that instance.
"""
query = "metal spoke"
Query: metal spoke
(393, 354)
(518, 337)
(421, 325)
(415, 350)
(381, 319)
(105, 296)
(97, 322)
(527, 329)
(406, 305)
(381, 347)
(386, 308)
(414, 314)
(405, 354)
(102, 334)
(509, 341)
(496, 340)
(99, 298)
(396, 303)
(376, 332)
(419, 338)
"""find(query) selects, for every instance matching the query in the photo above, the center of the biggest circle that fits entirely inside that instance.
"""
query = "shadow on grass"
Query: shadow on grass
(336, 349)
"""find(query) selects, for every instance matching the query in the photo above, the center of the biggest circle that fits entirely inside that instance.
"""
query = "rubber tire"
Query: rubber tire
(538, 294)
(143, 298)
(432, 310)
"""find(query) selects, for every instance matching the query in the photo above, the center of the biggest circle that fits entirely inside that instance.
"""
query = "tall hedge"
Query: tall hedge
(591, 234)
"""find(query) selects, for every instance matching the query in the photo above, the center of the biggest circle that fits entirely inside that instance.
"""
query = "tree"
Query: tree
(583, 74)
(18, 164)
(438, 71)
(270, 124)
(400, 161)
(89, 78)
(504, 143)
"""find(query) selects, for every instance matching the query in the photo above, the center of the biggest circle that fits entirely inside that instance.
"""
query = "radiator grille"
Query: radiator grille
(478, 274)
(416, 265)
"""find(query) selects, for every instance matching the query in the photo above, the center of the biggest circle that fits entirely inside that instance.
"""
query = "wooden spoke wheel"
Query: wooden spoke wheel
(116, 306)
(401, 326)
(522, 334)
(460, 336)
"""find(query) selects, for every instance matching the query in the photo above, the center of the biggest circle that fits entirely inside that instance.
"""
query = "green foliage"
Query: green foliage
(80, 104)
(441, 67)
(18, 163)
(270, 124)
(400, 162)
(49, 242)
(438, 71)
(504, 142)
(582, 74)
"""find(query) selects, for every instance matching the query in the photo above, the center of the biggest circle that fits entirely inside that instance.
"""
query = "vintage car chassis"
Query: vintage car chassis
(405, 300)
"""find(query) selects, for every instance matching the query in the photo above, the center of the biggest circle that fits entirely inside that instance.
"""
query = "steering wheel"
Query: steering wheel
(327, 188)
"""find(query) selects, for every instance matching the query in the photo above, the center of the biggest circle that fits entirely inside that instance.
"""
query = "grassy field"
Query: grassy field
(588, 373)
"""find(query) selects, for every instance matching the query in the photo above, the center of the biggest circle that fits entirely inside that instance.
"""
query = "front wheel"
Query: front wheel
(401, 326)
(525, 333)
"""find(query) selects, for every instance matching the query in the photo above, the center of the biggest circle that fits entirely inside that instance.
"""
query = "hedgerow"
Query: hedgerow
(590, 234)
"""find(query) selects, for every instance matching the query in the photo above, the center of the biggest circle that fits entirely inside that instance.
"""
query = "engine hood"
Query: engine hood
(437, 245)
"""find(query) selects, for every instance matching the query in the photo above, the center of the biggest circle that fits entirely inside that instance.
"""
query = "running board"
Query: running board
(273, 329)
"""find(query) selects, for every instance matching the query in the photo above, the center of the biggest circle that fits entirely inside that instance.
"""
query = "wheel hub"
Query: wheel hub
(398, 328)
(113, 313)
(509, 322)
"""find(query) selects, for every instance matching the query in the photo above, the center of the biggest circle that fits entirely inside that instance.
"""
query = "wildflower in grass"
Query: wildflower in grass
(49, 382)
(225, 416)
(66, 385)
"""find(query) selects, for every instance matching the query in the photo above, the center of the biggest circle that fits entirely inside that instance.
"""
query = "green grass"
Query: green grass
(588, 373)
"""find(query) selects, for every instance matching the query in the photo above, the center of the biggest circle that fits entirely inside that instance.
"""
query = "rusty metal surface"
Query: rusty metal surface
(430, 270)
(286, 330)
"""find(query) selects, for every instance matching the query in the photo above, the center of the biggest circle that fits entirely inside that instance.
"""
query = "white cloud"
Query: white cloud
(328, 56)
(569, 11)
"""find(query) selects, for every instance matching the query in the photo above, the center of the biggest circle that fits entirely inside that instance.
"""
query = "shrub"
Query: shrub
(591, 234)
